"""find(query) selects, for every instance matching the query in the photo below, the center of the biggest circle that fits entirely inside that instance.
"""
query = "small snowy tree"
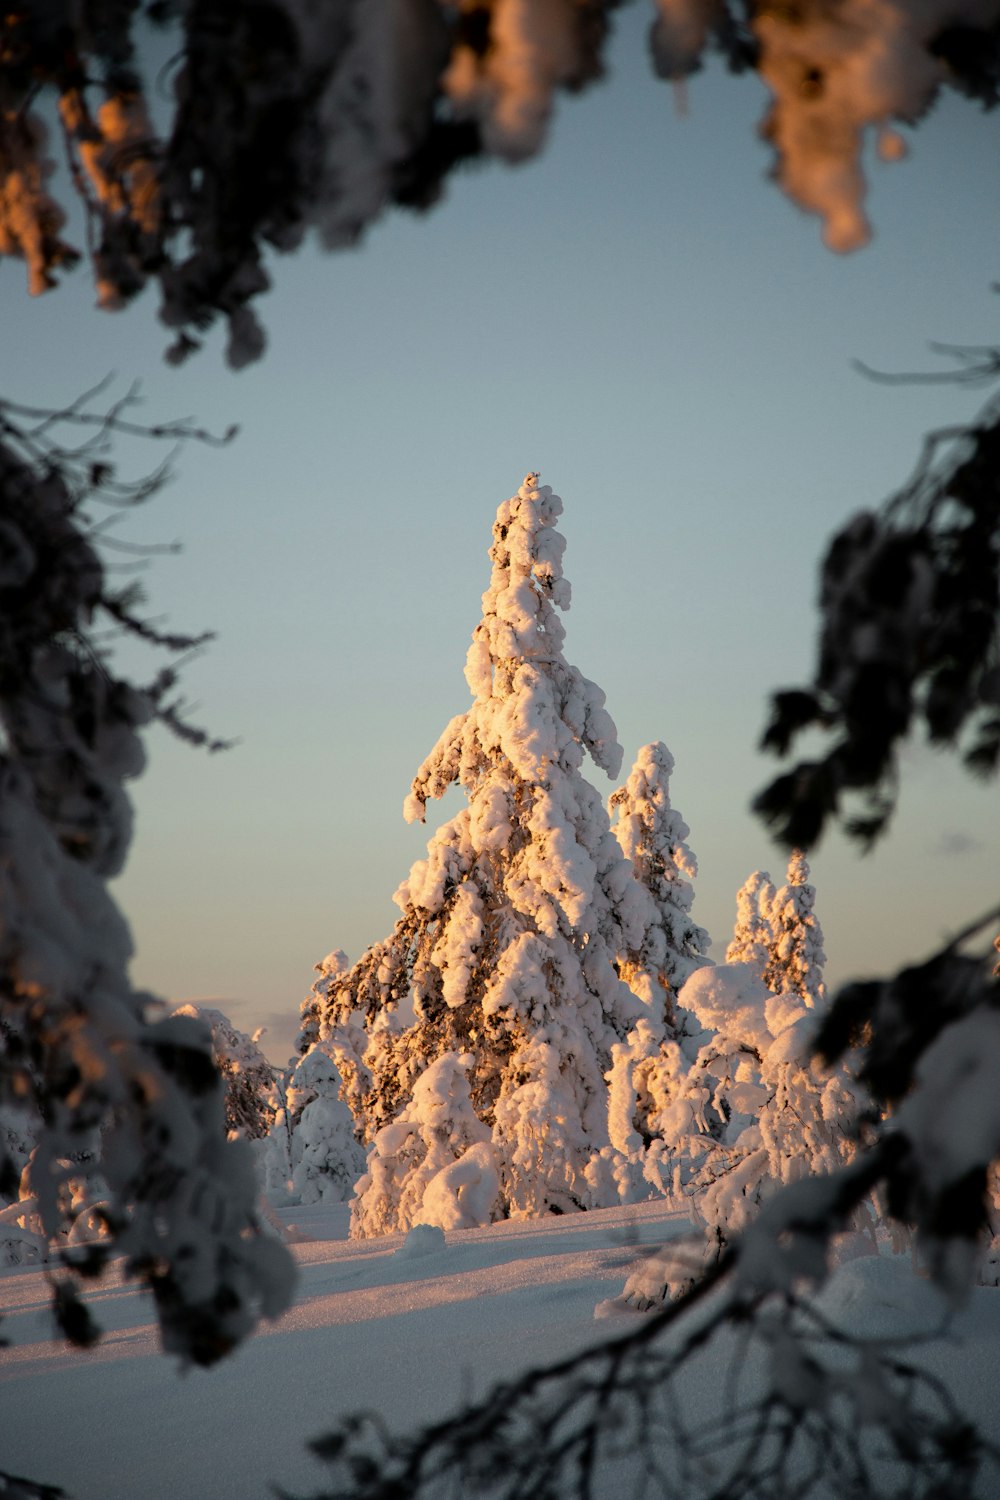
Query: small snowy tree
(512, 924)
(652, 837)
(755, 1110)
(326, 1159)
(796, 959)
(751, 939)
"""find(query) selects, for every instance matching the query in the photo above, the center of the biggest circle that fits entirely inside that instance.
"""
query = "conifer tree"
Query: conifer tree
(312, 1007)
(652, 836)
(512, 924)
(796, 959)
(753, 1110)
(326, 1159)
(434, 1164)
(751, 939)
(644, 1069)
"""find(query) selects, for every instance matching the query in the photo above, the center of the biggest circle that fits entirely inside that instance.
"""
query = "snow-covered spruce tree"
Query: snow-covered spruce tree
(796, 958)
(652, 836)
(644, 1066)
(313, 1153)
(751, 939)
(513, 922)
(120, 1106)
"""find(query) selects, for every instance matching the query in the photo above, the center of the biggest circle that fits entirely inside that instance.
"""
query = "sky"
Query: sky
(640, 315)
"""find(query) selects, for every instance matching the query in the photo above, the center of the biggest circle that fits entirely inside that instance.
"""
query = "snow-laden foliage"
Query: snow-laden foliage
(751, 1111)
(652, 835)
(329, 969)
(691, 1102)
(125, 1111)
(249, 1079)
(284, 117)
(910, 638)
(512, 925)
(778, 932)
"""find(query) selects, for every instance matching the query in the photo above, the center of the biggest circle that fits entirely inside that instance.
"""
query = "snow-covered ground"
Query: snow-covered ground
(409, 1327)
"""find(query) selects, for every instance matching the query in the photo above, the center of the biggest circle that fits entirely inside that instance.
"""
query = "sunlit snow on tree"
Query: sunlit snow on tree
(751, 939)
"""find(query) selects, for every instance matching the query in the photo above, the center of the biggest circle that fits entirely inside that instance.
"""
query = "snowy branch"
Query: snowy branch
(289, 117)
(114, 1139)
(910, 637)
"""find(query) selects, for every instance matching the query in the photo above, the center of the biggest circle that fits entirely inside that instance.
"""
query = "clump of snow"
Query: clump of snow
(422, 1239)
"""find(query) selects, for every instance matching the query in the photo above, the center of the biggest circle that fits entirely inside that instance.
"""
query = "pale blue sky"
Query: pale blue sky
(641, 316)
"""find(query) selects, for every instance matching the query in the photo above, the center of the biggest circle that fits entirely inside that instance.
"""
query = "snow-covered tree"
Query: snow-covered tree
(317, 1156)
(796, 957)
(251, 1100)
(287, 117)
(329, 969)
(512, 925)
(121, 1107)
(753, 1111)
(751, 939)
(652, 835)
